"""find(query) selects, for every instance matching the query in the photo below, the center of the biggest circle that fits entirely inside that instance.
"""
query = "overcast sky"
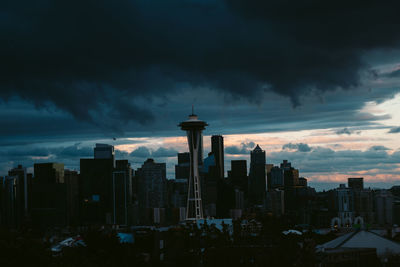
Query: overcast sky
(313, 82)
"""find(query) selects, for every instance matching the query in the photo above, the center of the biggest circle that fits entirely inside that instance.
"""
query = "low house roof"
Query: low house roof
(364, 239)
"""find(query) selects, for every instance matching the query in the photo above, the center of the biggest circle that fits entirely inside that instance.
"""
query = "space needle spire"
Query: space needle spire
(194, 127)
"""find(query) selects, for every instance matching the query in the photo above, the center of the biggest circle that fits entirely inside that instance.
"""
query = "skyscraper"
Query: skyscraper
(344, 203)
(152, 185)
(194, 127)
(276, 180)
(25, 188)
(257, 176)
(238, 175)
(152, 182)
(217, 148)
(268, 168)
(290, 174)
(96, 179)
(356, 183)
(384, 207)
(275, 201)
(285, 165)
(122, 193)
(49, 191)
(182, 169)
(184, 158)
(10, 206)
(291, 177)
(104, 151)
(71, 179)
(49, 173)
(209, 181)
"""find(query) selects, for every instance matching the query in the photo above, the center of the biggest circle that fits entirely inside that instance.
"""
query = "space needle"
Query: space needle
(194, 127)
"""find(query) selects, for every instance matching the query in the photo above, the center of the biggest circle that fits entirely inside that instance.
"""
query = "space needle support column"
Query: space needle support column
(194, 127)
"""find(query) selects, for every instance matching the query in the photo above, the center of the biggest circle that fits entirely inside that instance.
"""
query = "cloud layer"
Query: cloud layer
(394, 130)
(96, 60)
(243, 149)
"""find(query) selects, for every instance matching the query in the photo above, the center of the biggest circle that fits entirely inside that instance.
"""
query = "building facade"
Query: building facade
(257, 176)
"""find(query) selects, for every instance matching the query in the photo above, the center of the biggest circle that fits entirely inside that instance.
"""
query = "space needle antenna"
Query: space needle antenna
(194, 127)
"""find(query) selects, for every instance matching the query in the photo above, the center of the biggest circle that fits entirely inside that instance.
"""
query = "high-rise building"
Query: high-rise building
(364, 205)
(275, 202)
(396, 212)
(104, 151)
(209, 183)
(384, 207)
(184, 158)
(344, 204)
(356, 183)
(238, 175)
(276, 178)
(238, 204)
(194, 127)
(152, 184)
(71, 180)
(96, 180)
(268, 168)
(107, 188)
(10, 206)
(178, 192)
(217, 148)
(257, 176)
(49, 173)
(2, 205)
(152, 188)
(122, 193)
(285, 165)
(24, 191)
(182, 169)
(49, 195)
(290, 174)
(291, 177)
(302, 182)
(177, 199)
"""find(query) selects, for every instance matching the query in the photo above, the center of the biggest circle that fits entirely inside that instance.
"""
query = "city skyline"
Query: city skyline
(242, 152)
(308, 82)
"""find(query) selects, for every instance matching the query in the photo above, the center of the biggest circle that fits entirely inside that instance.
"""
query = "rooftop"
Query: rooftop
(364, 239)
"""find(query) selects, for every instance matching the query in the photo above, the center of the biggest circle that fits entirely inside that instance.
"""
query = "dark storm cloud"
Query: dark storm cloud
(74, 151)
(348, 131)
(234, 150)
(71, 152)
(378, 148)
(27, 152)
(163, 152)
(300, 147)
(97, 59)
(243, 149)
(119, 154)
(344, 131)
(394, 130)
(27, 155)
(394, 74)
(21, 123)
(141, 152)
(326, 160)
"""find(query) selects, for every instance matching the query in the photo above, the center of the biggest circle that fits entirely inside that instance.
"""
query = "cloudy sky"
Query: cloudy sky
(313, 82)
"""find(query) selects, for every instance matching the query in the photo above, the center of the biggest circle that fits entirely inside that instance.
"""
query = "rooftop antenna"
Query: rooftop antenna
(192, 109)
